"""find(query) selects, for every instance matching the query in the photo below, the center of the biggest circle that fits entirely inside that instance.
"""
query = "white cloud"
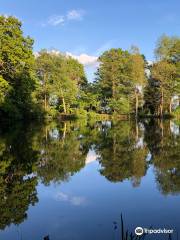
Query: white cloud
(85, 59)
(56, 20)
(75, 14)
(73, 200)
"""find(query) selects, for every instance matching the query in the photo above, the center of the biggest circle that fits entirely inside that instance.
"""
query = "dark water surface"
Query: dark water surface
(72, 180)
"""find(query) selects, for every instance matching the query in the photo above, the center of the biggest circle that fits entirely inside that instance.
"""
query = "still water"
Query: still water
(72, 180)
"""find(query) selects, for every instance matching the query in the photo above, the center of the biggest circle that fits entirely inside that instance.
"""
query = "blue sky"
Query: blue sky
(92, 26)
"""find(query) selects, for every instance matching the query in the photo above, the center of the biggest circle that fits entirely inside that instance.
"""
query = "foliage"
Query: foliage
(4, 90)
(50, 84)
(164, 74)
(164, 83)
(16, 68)
(60, 80)
(137, 76)
(114, 79)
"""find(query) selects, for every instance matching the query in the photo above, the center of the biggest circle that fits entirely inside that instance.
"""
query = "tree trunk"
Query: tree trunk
(63, 100)
(162, 129)
(45, 95)
(45, 102)
(64, 130)
(162, 103)
(137, 103)
(46, 133)
(64, 105)
(113, 92)
(137, 131)
(170, 106)
(128, 107)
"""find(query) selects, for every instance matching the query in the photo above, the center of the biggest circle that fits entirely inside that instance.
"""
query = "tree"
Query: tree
(16, 68)
(166, 47)
(44, 65)
(152, 97)
(68, 80)
(138, 75)
(164, 74)
(4, 90)
(113, 77)
(60, 78)
(89, 98)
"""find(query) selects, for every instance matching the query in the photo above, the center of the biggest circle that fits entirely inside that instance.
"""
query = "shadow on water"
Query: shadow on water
(54, 152)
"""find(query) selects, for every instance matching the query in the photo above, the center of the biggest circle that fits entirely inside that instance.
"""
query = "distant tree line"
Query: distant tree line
(51, 84)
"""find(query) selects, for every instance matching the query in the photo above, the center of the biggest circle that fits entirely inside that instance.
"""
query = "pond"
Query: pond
(73, 180)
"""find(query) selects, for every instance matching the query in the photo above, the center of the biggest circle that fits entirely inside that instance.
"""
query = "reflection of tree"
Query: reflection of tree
(165, 150)
(60, 153)
(153, 136)
(121, 155)
(15, 199)
(17, 190)
(53, 153)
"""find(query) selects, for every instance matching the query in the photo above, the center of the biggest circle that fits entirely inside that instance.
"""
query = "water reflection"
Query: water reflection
(163, 141)
(56, 151)
(17, 186)
(122, 152)
(61, 153)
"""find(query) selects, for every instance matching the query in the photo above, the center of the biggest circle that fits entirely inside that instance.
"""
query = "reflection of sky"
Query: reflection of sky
(91, 156)
(174, 128)
(140, 143)
(86, 206)
(74, 200)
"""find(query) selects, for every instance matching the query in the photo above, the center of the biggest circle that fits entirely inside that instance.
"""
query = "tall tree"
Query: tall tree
(165, 47)
(138, 75)
(113, 77)
(16, 68)
(44, 65)
(61, 79)
(164, 74)
(168, 49)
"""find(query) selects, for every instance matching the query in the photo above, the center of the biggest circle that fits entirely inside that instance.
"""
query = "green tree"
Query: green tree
(89, 98)
(114, 79)
(164, 74)
(61, 78)
(16, 68)
(4, 90)
(138, 75)
(152, 97)
(168, 49)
